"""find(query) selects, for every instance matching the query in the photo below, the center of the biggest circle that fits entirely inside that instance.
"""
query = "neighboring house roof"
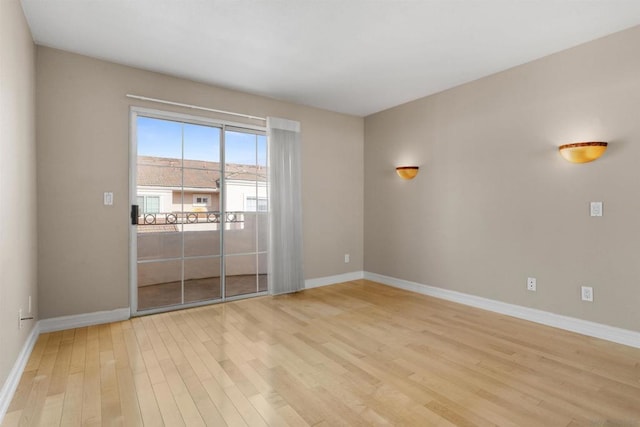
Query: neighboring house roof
(167, 172)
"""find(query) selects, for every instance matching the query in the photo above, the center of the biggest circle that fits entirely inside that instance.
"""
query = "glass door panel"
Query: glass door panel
(202, 222)
(158, 245)
(159, 231)
(263, 277)
(262, 232)
(159, 284)
(202, 225)
(202, 279)
(242, 238)
(241, 275)
(178, 194)
(202, 181)
(245, 201)
(202, 144)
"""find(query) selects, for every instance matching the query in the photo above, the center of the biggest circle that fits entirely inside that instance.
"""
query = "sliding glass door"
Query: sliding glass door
(199, 212)
(246, 202)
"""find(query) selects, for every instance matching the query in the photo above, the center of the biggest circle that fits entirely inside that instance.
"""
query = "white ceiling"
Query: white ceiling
(351, 56)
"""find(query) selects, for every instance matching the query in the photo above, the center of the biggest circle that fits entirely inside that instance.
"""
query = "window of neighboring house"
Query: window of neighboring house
(149, 204)
(256, 204)
(201, 200)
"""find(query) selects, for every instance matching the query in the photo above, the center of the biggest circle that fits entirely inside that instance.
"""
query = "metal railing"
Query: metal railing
(207, 217)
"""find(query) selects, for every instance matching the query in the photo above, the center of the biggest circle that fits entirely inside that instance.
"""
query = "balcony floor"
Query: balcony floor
(166, 294)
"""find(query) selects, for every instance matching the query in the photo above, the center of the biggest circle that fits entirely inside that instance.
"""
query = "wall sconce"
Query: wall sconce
(407, 172)
(582, 152)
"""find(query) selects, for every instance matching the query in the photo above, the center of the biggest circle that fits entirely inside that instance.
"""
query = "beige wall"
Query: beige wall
(83, 143)
(17, 181)
(494, 202)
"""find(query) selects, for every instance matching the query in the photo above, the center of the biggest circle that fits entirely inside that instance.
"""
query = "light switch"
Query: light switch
(108, 198)
(596, 208)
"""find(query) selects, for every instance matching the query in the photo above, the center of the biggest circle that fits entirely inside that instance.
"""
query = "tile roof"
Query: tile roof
(167, 172)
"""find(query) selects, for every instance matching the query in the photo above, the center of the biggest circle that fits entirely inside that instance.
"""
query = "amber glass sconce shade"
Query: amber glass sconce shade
(583, 152)
(407, 172)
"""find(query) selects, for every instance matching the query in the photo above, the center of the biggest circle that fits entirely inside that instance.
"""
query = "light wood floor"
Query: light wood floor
(352, 354)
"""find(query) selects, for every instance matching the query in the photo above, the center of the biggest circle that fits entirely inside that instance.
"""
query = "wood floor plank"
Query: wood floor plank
(21, 395)
(52, 410)
(148, 355)
(154, 338)
(34, 407)
(186, 405)
(12, 418)
(60, 371)
(31, 414)
(149, 409)
(78, 352)
(72, 404)
(291, 417)
(168, 408)
(223, 404)
(109, 390)
(353, 354)
(197, 389)
(268, 412)
(91, 402)
(129, 401)
(135, 358)
(36, 354)
(245, 408)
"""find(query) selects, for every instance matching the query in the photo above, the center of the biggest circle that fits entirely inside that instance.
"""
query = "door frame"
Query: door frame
(134, 112)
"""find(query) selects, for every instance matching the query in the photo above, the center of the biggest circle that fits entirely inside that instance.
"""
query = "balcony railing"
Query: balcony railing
(208, 217)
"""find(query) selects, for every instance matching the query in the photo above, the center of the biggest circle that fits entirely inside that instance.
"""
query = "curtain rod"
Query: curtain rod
(195, 107)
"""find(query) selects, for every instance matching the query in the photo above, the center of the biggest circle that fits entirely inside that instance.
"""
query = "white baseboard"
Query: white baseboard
(11, 383)
(584, 327)
(85, 319)
(331, 280)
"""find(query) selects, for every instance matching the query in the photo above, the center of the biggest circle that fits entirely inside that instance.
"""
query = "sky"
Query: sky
(163, 138)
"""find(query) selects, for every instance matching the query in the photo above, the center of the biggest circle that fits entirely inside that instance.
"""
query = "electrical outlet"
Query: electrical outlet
(531, 284)
(347, 258)
(20, 319)
(587, 293)
(596, 208)
(108, 198)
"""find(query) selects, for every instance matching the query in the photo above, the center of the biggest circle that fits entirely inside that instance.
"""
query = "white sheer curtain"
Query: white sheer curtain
(285, 206)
